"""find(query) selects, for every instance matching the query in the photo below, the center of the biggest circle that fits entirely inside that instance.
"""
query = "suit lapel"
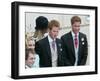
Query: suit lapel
(58, 51)
(80, 45)
(47, 47)
(58, 46)
(71, 42)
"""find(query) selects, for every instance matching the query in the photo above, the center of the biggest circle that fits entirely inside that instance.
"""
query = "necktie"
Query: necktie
(76, 41)
(53, 45)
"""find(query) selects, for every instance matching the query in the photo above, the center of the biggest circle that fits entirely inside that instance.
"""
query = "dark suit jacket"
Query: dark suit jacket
(68, 46)
(42, 48)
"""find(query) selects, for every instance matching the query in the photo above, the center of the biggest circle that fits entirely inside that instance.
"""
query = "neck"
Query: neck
(51, 37)
(75, 32)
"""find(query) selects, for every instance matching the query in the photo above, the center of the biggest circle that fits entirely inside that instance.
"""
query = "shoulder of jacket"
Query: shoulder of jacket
(66, 35)
(82, 34)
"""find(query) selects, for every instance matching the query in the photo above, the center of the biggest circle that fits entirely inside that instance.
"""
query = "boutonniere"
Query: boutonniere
(59, 45)
(82, 43)
(82, 39)
(60, 49)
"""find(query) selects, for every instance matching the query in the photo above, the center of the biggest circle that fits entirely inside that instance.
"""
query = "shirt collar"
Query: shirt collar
(46, 34)
(73, 34)
(50, 39)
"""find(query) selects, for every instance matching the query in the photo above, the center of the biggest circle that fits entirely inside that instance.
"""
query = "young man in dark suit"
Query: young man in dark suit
(75, 44)
(50, 47)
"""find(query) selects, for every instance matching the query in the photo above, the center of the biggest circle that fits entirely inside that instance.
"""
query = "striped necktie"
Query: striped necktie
(76, 41)
(53, 45)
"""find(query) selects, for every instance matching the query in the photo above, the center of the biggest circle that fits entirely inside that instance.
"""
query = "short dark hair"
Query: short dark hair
(41, 23)
(53, 23)
(27, 52)
(75, 19)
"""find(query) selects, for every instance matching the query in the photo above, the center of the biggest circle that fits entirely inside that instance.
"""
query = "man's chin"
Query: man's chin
(75, 32)
(30, 66)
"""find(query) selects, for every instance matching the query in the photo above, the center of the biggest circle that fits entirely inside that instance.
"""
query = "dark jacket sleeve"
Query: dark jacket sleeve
(38, 48)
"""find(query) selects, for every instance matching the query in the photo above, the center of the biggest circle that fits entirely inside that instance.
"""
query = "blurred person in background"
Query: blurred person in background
(30, 44)
(41, 27)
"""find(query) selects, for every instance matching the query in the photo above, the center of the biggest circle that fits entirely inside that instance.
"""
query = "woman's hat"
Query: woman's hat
(41, 23)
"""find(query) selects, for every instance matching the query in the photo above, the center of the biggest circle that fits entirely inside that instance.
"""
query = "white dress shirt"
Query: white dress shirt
(54, 54)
